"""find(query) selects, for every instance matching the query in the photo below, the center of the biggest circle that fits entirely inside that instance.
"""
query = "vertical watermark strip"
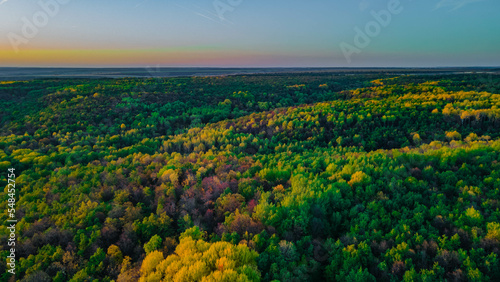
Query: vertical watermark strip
(11, 221)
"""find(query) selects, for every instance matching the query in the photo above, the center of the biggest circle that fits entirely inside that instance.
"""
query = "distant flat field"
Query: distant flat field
(151, 72)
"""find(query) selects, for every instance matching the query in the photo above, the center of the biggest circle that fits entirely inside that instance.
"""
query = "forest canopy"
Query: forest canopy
(277, 177)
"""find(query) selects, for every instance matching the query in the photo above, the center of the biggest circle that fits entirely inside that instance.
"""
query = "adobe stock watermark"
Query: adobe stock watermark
(154, 72)
(490, 82)
(39, 19)
(363, 37)
(223, 6)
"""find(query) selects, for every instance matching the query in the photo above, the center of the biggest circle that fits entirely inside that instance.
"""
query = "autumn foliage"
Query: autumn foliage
(278, 177)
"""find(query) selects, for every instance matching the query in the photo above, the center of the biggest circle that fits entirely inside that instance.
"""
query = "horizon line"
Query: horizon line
(245, 67)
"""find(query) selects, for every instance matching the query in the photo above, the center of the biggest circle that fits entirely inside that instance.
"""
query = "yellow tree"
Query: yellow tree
(453, 135)
(197, 260)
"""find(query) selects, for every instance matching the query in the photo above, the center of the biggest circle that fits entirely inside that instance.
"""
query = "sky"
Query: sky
(244, 33)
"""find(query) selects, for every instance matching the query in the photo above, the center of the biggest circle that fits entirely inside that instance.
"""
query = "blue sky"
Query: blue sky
(251, 33)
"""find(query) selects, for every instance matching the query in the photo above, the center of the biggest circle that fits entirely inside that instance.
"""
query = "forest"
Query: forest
(268, 177)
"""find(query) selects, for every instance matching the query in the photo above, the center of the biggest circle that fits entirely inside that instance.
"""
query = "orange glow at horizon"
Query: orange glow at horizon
(102, 57)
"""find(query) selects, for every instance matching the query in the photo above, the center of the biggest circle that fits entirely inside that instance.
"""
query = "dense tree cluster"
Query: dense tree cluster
(297, 177)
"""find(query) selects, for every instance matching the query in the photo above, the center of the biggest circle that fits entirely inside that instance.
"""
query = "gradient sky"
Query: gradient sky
(273, 33)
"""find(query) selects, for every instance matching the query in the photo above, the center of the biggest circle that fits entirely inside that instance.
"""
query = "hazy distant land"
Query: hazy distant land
(151, 72)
